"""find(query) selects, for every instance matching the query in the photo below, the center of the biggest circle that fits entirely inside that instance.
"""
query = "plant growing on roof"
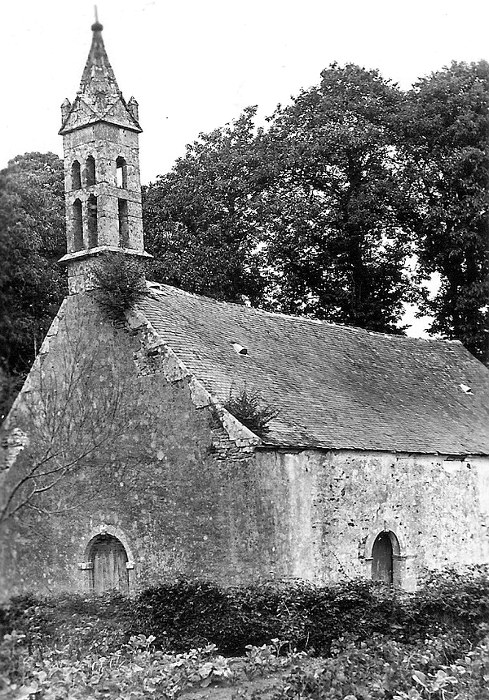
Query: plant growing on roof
(251, 409)
(120, 283)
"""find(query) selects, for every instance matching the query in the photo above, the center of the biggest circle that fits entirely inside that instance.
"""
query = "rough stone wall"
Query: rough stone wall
(82, 267)
(105, 142)
(190, 491)
(174, 480)
(331, 506)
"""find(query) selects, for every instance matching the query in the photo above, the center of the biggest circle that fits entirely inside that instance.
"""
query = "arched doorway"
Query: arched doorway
(383, 558)
(108, 570)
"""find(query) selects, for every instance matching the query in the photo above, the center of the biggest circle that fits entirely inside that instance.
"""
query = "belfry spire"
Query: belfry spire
(102, 184)
(98, 77)
(99, 97)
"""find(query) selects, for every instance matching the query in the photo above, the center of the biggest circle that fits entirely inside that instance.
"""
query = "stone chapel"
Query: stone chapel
(122, 467)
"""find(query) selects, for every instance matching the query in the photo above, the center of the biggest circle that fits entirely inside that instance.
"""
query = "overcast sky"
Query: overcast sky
(194, 65)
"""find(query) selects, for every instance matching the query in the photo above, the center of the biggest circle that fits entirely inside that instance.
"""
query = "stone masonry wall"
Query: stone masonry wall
(159, 464)
(173, 480)
(333, 505)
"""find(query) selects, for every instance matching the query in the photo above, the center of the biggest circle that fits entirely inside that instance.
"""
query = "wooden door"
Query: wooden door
(382, 560)
(109, 571)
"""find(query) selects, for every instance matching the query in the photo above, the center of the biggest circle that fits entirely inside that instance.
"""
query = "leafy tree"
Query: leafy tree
(338, 212)
(199, 219)
(32, 239)
(446, 131)
(306, 217)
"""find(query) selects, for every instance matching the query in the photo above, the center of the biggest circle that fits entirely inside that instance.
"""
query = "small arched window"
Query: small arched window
(90, 171)
(92, 222)
(75, 175)
(123, 224)
(77, 225)
(121, 172)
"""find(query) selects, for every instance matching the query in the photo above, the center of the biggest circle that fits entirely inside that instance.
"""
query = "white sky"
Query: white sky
(194, 65)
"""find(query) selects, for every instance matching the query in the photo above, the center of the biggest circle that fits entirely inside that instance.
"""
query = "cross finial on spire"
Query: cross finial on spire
(96, 27)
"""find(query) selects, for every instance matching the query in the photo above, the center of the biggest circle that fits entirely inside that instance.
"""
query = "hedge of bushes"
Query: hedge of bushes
(189, 613)
(186, 614)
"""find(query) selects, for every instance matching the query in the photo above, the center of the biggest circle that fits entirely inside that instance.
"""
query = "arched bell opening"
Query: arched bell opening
(77, 225)
(123, 223)
(121, 172)
(75, 175)
(92, 219)
(90, 171)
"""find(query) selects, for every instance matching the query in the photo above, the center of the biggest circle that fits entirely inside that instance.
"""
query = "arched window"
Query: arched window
(384, 552)
(123, 224)
(77, 225)
(75, 175)
(121, 172)
(92, 222)
(108, 565)
(90, 171)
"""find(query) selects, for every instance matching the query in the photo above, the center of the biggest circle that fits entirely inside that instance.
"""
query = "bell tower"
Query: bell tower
(101, 163)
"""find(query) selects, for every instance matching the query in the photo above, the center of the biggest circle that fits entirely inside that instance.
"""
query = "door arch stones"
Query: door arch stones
(387, 559)
(108, 559)
(107, 564)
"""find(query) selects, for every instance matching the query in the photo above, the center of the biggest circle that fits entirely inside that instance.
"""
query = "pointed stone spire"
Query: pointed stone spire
(99, 97)
(98, 79)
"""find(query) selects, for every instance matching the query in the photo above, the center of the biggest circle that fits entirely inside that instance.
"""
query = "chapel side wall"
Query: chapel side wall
(171, 485)
(333, 505)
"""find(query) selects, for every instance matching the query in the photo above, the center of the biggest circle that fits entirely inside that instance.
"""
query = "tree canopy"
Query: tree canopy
(338, 239)
(446, 136)
(200, 218)
(324, 211)
(32, 239)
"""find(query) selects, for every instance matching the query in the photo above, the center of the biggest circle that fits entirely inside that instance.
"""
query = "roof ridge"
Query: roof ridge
(159, 287)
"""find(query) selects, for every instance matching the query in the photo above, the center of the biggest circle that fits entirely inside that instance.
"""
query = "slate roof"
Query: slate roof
(336, 387)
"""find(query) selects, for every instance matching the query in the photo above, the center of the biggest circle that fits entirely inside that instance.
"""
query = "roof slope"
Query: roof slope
(336, 387)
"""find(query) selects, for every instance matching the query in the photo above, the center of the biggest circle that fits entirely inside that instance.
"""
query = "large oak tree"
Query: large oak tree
(337, 237)
(446, 135)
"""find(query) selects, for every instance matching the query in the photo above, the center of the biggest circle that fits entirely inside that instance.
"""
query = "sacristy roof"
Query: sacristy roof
(335, 387)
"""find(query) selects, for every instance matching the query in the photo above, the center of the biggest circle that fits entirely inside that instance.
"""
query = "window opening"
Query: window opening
(123, 224)
(92, 222)
(75, 175)
(121, 172)
(90, 171)
(77, 225)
